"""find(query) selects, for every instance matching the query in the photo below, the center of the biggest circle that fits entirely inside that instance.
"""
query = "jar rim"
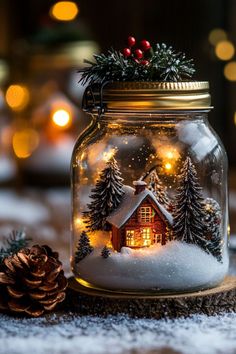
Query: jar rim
(154, 96)
(157, 95)
(158, 85)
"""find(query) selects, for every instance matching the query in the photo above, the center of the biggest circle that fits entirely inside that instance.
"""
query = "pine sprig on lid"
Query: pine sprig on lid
(158, 63)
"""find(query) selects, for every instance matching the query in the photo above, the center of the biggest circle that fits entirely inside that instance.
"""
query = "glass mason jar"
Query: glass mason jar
(149, 189)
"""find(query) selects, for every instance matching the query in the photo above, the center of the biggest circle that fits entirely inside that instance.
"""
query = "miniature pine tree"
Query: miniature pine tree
(212, 221)
(105, 252)
(155, 185)
(106, 196)
(84, 248)
(189, 212)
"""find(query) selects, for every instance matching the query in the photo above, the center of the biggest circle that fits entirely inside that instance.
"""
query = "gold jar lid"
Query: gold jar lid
(156, 96)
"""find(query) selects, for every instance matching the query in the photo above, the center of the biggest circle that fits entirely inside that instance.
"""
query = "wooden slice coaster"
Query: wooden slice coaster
(88, 301)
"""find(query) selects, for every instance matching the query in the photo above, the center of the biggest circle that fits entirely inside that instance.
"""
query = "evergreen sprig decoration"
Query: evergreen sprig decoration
(169, 65)
(13, 243)
(158, 63)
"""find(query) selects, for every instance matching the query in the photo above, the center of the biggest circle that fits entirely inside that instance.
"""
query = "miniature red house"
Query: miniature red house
(140, 220)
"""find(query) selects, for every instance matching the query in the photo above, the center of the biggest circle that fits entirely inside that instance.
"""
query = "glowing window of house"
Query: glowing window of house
(130, 241)
(157, 238)
(145, 214)
(146, 235)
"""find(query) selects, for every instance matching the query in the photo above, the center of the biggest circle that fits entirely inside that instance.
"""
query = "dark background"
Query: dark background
(25, 25)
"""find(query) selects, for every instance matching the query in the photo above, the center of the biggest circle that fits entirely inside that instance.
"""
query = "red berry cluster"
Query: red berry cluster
(137, 54)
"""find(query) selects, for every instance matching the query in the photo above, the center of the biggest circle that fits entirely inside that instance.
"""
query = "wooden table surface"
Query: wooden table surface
(45, 215)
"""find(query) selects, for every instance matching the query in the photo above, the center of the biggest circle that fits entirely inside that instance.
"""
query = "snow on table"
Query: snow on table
(47, 215)
(72, 334)
(43, 214)
(21, 209)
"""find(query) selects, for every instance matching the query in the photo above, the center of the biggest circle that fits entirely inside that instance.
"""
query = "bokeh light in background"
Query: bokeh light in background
(64, 11)
(224, 50)
(62, 118)
(17, 97)
(39, 80)
(25, 142)
(217, 35)
(230, 71)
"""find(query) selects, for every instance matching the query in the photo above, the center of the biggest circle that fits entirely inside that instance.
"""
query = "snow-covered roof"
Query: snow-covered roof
(130, 202)
(139, 183)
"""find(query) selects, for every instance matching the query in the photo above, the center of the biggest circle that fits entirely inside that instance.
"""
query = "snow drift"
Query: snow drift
(175, 266)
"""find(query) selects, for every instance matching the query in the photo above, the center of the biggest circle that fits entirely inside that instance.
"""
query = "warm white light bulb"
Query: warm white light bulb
(61, 118)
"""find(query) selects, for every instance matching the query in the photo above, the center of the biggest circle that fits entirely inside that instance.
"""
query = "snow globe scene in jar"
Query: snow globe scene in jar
(149, 178)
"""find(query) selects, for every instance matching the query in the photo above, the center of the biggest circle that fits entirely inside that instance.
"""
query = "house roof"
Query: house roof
(130, 202)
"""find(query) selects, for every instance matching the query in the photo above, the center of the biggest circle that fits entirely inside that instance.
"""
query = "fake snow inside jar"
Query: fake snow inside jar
(149, 181)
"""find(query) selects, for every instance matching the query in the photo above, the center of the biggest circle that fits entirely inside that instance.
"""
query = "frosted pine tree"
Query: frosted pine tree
(106, 196)
(105, 252)
(158, 189)
(189, 212)
(84, 248)
(212, 222)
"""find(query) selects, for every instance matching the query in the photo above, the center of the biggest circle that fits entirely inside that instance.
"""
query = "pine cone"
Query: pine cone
(32, 281)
